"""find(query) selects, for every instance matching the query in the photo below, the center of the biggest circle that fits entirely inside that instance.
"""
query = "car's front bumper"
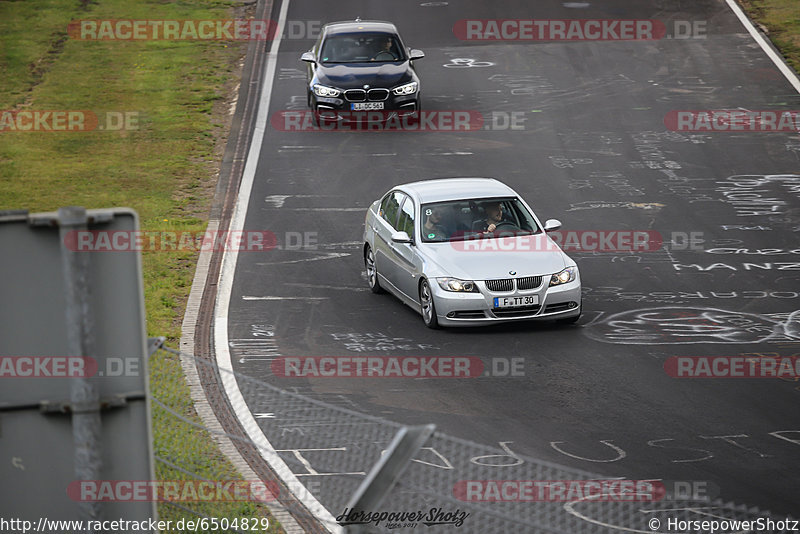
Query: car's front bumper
(339, 109)
(468, 309)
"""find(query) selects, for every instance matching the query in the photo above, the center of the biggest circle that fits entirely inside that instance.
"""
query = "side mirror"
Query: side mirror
(400, 237)
(551, 225)
(308, 57)
(416, 54)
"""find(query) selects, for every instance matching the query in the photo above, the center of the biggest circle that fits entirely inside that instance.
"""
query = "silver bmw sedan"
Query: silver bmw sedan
(468, 251)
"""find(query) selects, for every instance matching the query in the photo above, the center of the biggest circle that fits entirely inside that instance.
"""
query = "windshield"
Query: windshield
(361, 48)
(487, 218)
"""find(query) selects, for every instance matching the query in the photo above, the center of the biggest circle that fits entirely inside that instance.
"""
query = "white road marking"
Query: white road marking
(327, 209)
(276, 201)
(328, 474)
(776, 59)
(620, 453)
(225, 286)
(509, 454)
(311, 470)
(322, 256)
(283, 298)
(343, 244)
(336, 288)
(570, 507)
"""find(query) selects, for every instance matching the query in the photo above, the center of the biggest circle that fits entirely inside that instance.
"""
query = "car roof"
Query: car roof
(445, 189)
(350, 26)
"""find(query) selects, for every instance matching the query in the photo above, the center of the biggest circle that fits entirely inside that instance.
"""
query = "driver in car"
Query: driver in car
(385, 53)
(494, 218)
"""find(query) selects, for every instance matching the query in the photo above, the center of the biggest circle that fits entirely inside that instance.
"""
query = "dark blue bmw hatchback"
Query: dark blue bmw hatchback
(361, 66)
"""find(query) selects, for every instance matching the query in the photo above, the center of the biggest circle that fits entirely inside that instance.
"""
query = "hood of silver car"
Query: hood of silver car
(489, 261)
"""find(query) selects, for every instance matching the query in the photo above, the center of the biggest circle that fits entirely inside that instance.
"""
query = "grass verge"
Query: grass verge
(179, 93)
(781, 18)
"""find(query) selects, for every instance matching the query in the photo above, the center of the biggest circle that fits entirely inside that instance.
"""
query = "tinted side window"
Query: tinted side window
(406, 221)
(390, 206)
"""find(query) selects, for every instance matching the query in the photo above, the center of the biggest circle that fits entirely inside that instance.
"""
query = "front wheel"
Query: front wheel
(426, 303)
(372, 271)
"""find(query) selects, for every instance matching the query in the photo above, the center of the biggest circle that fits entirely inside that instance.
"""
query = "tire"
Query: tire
(427, 306)
(310, 104)
(372, 271)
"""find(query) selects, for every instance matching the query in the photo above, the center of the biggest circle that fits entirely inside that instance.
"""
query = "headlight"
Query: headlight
(565, 276)
(407, 89)
(323, 90)
(454, 284)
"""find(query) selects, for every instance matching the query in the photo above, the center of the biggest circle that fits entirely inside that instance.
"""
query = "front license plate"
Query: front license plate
(516, 302)
(366, 106)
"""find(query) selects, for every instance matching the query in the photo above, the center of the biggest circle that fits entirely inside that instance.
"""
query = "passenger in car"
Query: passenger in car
(433, 230)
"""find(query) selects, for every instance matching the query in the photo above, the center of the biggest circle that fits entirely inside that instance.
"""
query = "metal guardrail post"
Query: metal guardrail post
(84, 397)
(387, 471)
(154, 344)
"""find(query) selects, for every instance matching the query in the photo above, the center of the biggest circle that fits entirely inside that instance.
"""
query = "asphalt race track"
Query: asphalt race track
(589, 147)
